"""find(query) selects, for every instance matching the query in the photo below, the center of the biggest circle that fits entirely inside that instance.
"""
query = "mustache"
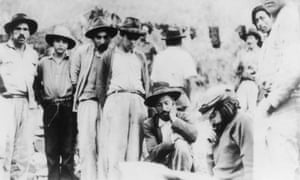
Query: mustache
(21, 36)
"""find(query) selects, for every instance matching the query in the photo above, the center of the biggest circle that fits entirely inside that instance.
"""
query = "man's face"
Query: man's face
(60, 45)
(215, 119)
(20, 34)
(128, 41)
(273, 6)
(164, 105)
(101, 40)
(263, 22)
(251, 42)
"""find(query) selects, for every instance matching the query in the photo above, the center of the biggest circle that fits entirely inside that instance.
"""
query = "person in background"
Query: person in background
(247, 88)
(55, 92)
(169, 133)
(175, 66)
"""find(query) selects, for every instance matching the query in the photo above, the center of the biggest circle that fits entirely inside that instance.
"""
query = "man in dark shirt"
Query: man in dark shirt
(169, 133)
(87, 76)
(54, 92)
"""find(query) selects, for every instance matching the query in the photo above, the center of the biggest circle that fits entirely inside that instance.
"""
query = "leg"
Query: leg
(114, 132)
(23, 147)
(7, 121)
(181, 157)
(87, 117)
(68, 131)
(51, 127)
(138, 113)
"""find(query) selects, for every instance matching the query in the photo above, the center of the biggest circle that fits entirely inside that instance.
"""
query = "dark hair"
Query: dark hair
(174, 42)
(228, 109)
(256, 10)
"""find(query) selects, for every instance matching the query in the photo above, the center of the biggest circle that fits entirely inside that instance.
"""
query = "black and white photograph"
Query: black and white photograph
(150, 90)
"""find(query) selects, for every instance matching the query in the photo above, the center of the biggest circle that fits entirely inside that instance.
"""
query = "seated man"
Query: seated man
(230, 155)
(169, 134)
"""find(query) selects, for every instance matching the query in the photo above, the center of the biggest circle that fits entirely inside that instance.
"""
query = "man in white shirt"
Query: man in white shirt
(18, 69)
(280, 107)
(124, 111)
(175, 66)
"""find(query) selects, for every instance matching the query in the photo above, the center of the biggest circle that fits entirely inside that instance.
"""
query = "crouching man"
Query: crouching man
(169, 134)
(230, 154)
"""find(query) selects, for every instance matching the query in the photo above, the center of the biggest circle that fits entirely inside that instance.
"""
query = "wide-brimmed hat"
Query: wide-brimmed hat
(159, 89)
(132, 25)
(21, 18)
(173, 33)
(61, 32)
(97, 26)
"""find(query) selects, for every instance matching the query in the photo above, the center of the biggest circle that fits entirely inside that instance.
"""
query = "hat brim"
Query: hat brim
(132, 31)
(172, 38)
(151, 101)
(51, 37)
(108, 29)
(8, 27)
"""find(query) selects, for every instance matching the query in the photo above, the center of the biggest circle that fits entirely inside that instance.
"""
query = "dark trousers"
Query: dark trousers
(60, 138)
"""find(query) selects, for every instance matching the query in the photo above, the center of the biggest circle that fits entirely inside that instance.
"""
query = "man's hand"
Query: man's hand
(172, 114)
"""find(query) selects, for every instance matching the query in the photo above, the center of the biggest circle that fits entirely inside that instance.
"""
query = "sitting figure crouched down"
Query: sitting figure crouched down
(169, 133)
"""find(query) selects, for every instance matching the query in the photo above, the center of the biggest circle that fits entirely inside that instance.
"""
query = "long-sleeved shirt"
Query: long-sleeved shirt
(233, 155)
(53, 80)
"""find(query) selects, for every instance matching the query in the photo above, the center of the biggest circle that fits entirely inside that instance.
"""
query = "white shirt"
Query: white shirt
(126, 72)
(166, 130)
(173, 65)
(17, 70)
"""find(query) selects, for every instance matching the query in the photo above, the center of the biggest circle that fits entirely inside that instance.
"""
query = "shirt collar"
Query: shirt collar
(66, 57)
(162, 123)
(11, 45)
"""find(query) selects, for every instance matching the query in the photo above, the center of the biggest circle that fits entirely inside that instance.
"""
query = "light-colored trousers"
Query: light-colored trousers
(247, 95)
(16, 138)
(181, 158)
(121, 132)
(277, 145)
(89, 115)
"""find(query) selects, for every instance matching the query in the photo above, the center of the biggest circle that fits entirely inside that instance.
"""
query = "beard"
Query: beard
(164, 116)
(102, 47)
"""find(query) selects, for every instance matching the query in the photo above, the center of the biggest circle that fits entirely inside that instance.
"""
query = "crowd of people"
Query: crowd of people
(118, 97)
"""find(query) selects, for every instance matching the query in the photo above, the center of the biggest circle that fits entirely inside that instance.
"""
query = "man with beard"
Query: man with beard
(169, 133)
(280, 107)
(124, 110)
(54, 89)
(86, 75)
(17, 70)
(230, 154)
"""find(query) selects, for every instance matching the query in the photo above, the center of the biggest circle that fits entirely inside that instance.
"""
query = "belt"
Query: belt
(59, 100)
(14, 95)
(127, 91)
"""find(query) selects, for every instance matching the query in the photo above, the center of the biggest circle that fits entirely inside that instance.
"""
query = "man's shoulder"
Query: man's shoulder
(243, 119)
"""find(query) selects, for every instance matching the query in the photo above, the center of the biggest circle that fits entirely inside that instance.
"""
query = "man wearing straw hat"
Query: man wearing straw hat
(86, 75)
(17, 70)
(169, 133)
(55, 93)
(124, 110)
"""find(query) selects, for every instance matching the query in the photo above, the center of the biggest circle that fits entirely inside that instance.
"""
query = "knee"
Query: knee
(182, 147)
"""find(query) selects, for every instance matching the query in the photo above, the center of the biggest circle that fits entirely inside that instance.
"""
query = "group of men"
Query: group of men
(94, 97)
(99, 97)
